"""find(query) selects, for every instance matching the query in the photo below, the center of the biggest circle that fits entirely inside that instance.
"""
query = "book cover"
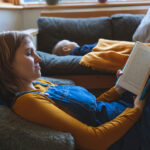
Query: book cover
(136, 70)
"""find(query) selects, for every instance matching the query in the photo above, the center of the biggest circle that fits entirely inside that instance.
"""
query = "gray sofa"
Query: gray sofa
(18, 134)
(82, 31)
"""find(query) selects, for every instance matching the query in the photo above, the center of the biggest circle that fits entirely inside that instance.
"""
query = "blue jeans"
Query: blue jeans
(83, 105)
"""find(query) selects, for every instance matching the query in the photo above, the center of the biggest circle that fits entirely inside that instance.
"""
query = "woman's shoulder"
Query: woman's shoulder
(27, 102)
(41, 86)
(28, 98)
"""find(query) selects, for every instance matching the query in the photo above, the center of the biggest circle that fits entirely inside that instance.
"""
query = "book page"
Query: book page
(136, 71)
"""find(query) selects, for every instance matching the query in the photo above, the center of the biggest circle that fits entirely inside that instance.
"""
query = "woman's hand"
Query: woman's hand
(119, 89)
(139, 103)
(119, 73)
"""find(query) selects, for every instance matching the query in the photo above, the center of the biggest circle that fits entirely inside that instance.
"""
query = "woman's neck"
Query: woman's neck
(26, 86)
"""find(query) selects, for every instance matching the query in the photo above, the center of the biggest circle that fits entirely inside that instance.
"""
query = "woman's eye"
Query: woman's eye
(29, 53)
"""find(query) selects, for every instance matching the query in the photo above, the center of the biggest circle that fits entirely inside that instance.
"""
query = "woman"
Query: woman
(66, 108)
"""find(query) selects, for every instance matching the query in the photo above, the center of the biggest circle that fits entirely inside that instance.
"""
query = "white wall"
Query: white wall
(18, 19)
(11, 20)
(30, 18)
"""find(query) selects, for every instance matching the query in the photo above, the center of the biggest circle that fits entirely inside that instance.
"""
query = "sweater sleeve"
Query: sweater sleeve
(41, 110)
(109, 96)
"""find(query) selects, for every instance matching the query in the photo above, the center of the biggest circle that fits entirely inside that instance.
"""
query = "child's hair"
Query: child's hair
(9, 43)
(58, 48)
(64, 47)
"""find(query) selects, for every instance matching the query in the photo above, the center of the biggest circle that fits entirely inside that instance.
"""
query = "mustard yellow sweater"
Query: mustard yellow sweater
(108, 55)
(39, 109)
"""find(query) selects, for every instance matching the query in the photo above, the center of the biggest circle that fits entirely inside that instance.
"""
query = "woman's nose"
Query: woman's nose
(37, 58)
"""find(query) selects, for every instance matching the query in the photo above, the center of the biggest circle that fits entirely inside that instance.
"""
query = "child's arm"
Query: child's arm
(39, 109)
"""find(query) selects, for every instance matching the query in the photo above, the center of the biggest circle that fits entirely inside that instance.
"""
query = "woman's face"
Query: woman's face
(26, 62)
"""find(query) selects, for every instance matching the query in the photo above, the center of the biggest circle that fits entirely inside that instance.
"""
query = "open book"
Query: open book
(136, 70)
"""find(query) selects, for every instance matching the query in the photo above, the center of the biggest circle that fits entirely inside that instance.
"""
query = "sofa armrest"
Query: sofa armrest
(33, 32)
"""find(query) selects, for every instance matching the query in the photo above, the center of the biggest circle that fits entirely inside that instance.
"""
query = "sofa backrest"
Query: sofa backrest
(124, 25)
(85, 30)
(53, 29)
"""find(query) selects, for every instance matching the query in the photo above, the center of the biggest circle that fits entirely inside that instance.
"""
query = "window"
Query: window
(65, 1)
(78, 0)
(82, 2)
(32, 1)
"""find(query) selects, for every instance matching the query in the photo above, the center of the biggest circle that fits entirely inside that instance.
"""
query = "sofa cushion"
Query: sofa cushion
(124, 25)
(63, 65)
(19, 134)
(2, 102)
(59, 81)
(142, 33)
(80, 30)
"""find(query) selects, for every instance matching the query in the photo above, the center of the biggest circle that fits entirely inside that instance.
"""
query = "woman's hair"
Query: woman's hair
(9, 43)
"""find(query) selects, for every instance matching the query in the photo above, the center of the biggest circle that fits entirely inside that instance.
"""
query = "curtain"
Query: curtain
(15, 2)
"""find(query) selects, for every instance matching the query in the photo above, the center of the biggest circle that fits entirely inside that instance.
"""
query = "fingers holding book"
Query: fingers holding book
(139, 103)
(119, 73)
(119, 89)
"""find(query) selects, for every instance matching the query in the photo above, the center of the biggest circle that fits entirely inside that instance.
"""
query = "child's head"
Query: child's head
(64, 47)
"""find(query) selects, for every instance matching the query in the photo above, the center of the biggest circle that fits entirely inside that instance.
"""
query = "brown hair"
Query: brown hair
(58, 49)
(9, 43)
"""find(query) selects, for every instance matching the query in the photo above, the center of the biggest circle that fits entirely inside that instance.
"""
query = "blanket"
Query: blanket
(108, 55)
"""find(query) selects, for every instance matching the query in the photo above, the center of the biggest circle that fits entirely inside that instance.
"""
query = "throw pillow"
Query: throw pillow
(142, 32)
(19, 134)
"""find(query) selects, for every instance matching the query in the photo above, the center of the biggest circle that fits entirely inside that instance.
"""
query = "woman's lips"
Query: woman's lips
(38, 67)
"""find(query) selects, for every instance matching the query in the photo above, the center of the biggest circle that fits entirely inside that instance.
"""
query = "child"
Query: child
(66, 47)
